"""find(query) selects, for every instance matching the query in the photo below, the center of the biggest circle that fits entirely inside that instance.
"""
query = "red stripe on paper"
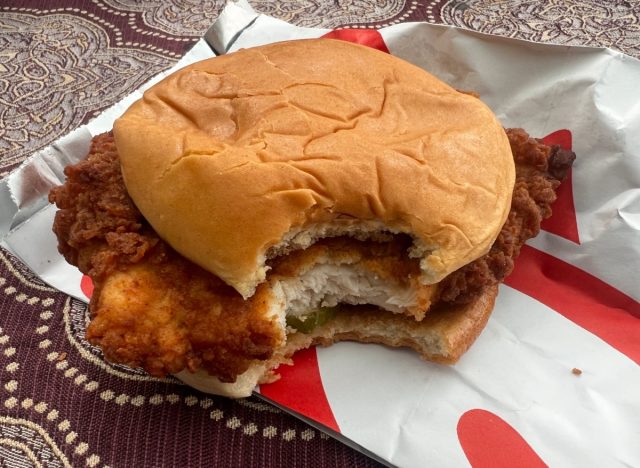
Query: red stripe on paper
(581, 297)
(86, 286)
(562, 138)
(368, 37)
(300, 389)
(563, 221)
(489, 441)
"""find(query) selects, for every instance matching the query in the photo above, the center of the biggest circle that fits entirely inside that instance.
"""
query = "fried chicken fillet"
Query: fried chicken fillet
(154, 309)
(255, 203)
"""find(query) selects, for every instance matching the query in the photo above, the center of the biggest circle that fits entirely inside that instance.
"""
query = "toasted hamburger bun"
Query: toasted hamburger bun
(250, 155)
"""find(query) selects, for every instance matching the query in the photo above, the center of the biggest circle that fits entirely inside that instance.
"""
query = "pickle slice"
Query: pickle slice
(308, 322)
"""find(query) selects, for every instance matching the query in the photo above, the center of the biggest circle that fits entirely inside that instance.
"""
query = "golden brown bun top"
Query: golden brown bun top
(227, 156)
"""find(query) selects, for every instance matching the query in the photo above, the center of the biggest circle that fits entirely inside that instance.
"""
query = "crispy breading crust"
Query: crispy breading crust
(152, 308)
(539, 171)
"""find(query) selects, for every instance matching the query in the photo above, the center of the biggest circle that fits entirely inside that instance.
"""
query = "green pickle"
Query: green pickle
(307, 323)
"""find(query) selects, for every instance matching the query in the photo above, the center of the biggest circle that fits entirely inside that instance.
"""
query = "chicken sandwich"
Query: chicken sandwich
(298, 193)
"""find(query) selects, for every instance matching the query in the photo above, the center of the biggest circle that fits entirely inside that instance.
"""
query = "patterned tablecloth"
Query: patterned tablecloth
(61, 64)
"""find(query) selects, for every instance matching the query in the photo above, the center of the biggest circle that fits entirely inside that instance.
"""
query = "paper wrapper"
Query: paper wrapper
(554, 377)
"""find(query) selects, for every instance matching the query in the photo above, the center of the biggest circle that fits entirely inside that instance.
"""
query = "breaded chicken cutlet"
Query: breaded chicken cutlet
(154, 309)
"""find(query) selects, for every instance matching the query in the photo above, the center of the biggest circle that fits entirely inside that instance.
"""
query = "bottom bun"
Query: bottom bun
(443, 336)
(242, 387)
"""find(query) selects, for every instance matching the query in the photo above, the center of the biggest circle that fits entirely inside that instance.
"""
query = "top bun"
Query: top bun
(247, 155)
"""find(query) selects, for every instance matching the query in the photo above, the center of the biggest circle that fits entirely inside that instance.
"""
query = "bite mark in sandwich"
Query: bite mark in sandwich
(293, 194)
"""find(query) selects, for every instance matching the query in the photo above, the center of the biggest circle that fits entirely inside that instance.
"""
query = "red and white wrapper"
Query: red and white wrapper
(554, 378)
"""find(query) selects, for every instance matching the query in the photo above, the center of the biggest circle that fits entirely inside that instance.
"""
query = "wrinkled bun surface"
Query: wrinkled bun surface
(228, 155)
